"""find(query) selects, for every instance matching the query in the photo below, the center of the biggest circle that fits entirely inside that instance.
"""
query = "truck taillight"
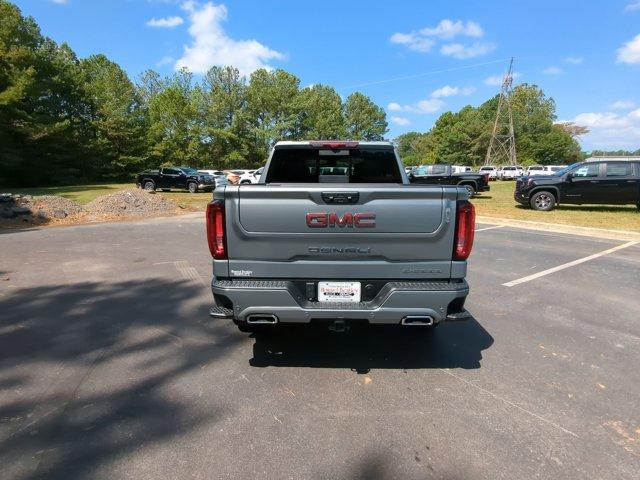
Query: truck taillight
(334, 145)
(215, 230)
(465, 230)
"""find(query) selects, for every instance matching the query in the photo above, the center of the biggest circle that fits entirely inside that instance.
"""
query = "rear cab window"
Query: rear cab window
(431, 170)
(307, 164)
(618, 169)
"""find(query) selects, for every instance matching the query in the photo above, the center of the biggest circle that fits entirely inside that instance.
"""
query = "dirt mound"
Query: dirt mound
(36, 210)
(130, 203)
(52, 206)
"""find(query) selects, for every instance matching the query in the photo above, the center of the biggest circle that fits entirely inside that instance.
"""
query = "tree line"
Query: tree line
(462, 138)
(66, 120)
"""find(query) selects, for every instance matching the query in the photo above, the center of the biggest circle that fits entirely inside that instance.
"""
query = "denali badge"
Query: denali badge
(352, 250)
(331, 220)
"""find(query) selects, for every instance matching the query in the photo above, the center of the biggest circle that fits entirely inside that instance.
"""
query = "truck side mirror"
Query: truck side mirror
(569, 177)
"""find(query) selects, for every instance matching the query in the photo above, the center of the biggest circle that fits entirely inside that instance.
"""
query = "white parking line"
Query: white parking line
(488, 228)
(567, 265)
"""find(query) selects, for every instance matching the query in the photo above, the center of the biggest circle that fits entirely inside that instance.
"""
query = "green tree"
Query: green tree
(174, 131)
(364, 120)
(116, 121)
(271, 111)
(320, 110)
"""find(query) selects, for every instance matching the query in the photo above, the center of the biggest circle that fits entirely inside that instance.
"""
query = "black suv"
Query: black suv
(596, 181)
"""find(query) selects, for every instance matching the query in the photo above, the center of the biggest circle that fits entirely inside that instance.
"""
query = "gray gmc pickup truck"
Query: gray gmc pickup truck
(335, 233)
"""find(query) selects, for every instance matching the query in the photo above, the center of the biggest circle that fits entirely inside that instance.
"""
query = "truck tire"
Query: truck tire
(543, 201)
(470, 188)
(149, 186)
(192, 187)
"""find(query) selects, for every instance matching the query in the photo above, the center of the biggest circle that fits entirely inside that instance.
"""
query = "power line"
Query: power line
(425, 74)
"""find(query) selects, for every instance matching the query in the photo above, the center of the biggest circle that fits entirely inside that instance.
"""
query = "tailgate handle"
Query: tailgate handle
(340, 197)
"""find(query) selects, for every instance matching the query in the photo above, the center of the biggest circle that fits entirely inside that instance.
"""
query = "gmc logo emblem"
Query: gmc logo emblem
(332, 220)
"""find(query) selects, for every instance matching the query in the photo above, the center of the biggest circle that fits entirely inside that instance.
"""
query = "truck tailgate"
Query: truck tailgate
(339, 231)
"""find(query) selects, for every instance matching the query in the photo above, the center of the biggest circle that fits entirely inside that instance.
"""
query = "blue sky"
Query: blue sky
(585, 54)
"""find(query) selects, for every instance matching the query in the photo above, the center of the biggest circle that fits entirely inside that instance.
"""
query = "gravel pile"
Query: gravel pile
(33, 209)
(52, 206)
(130, 203)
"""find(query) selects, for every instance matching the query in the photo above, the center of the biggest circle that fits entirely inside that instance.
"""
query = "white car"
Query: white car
(218, 176)
(510, 172)
(249, 176)
(460, 169)
(543, 170)
(536, 170)
(490, 170)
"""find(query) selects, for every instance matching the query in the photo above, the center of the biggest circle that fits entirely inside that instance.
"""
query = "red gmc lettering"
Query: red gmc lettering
(331, 220)
(345, 221)
(364, 220)
(317, 220)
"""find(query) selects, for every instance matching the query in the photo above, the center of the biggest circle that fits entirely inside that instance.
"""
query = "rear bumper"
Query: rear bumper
(395, 301)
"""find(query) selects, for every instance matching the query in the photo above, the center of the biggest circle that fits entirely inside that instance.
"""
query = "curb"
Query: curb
(559, 228)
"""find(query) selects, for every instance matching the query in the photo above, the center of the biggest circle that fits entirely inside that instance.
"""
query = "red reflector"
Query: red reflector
(215, 230)
(334, 145)
(465, 231)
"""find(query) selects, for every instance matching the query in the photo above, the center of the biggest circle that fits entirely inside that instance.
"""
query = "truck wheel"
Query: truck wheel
(470, 189)
(149, 186)
(192, 187)
(543, 201)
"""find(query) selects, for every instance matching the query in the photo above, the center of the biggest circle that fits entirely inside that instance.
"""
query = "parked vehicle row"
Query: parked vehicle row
(187, 178)
(446, 175)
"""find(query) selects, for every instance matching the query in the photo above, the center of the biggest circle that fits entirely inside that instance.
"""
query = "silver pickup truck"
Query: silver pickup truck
(334, 233)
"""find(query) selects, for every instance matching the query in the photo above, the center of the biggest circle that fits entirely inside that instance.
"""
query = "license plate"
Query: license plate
(339, 292)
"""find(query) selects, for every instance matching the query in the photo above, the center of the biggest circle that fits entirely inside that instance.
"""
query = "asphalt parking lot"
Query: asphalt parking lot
(111, 368)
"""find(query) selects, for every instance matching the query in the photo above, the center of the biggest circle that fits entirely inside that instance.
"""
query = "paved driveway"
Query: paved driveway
(111, 368)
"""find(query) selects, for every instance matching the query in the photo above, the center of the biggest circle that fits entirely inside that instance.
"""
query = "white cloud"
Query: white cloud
(447, 29)
(424, 39)
(630, 51)
(610, 131)
(632, 7)
(622, 105)
(400, 121)
(60, 2)
(429, 105)
(167, 60)
(552, 71)
(496, 80)
(413, 42)
(573, 60)
(449, 91)
(212, 46)
(167, 22)
(461, 52)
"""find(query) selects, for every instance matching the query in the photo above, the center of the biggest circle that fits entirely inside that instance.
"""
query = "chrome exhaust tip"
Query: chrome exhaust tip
(418, 320)
(262, 319)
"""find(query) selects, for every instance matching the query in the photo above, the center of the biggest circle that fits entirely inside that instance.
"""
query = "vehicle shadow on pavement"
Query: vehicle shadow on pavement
(450, 345)
(86, 372)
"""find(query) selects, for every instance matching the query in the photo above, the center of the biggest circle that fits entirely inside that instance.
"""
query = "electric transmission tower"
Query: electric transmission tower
(502, 147)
